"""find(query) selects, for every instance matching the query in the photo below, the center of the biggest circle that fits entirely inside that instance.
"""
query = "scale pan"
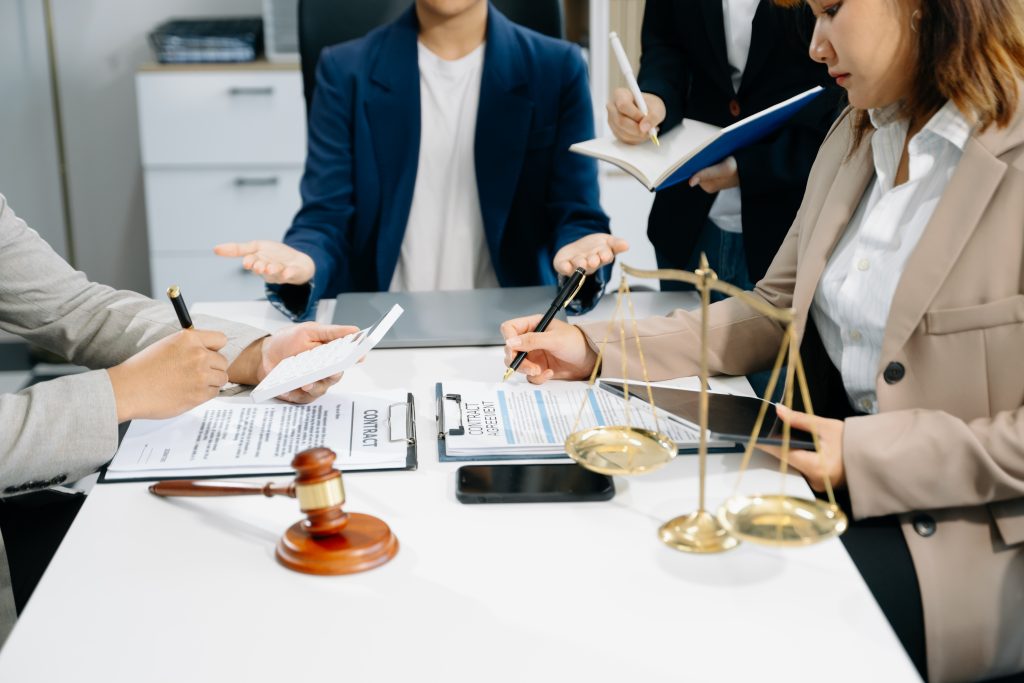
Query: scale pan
(618, 450)
(779, 520)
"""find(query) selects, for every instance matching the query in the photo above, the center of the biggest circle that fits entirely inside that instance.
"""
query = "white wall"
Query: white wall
(29, 171)
(100, 44)
(627, 204)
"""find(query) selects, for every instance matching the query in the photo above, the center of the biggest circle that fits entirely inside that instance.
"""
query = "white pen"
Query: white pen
(634, 87)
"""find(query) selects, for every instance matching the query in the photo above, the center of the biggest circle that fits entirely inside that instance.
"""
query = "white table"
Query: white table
(173, 590)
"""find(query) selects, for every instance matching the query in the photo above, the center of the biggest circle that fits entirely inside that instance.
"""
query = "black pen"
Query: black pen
(562, 299)
(178, 302)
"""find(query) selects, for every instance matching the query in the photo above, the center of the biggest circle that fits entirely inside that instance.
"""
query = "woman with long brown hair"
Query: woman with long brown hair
(905, 266)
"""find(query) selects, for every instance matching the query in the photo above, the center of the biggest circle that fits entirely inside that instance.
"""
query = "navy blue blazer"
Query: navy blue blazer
(364, 140)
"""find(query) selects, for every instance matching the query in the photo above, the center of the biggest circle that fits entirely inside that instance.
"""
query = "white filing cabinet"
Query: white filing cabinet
(223, 148)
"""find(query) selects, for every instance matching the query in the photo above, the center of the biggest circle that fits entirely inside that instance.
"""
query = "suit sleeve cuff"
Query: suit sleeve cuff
(297, 302)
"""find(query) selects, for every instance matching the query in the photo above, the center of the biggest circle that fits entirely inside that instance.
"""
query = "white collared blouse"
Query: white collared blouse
(851, 304)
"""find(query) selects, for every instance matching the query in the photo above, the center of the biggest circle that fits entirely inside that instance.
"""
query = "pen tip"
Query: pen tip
(654, 139)
(508, 373)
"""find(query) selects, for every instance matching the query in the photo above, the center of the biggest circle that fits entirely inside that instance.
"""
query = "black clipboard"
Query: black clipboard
(411, 458)
(443, 431)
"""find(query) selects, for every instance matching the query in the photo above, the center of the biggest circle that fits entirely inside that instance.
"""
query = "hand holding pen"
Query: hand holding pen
(633, 116)
(171, 375)
(565, 295)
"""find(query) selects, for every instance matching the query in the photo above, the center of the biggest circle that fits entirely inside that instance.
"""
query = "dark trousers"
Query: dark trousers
(876, 544)
(880, 552)
(33, 525)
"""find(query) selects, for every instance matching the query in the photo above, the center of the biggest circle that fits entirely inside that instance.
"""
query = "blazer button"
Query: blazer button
(894, 372)
(734, 108)
(924, 525)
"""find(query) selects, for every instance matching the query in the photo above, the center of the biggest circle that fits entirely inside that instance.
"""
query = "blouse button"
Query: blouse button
(863, 264)
(855, 335)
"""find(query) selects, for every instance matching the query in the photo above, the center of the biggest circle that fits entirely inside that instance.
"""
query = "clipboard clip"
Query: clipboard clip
(454, 431)
(410, 422)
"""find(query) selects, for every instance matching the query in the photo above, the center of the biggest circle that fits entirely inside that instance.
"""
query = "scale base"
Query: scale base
(779, 520)
(698, 532)
(620, 450)
(364, 543)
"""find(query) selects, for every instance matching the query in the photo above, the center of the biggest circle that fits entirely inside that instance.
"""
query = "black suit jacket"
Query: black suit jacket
(684, 63)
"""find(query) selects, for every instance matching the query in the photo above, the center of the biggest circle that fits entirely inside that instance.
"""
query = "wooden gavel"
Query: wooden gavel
(328, 540)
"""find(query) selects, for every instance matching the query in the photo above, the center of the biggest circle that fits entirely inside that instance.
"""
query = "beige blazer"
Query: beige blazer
(65, 429)
(948, 441)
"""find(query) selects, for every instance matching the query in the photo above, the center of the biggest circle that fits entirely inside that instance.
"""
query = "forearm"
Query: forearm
(919, 459)
(50, 304)
(56, 431)
(740, 341)
(245, 368)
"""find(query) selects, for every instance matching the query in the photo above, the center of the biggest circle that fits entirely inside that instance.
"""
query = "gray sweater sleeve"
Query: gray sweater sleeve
(63, 429)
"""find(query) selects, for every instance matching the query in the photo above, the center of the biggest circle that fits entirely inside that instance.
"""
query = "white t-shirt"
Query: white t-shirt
(444, 246)
(739, 20)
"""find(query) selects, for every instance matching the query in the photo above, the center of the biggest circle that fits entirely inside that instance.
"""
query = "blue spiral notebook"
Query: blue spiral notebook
(692, 145)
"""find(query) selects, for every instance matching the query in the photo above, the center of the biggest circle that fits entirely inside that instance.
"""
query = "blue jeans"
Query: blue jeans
(725, 256)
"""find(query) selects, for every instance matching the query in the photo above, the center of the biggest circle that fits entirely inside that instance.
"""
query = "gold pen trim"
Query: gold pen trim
(575, 292)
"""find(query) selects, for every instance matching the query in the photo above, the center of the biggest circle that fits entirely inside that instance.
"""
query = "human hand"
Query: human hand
(589, 253)
(559, 352)
(276, 262)
(814, 465)
(263, 355)
(170, 376)
(720, 176)
(626, 120)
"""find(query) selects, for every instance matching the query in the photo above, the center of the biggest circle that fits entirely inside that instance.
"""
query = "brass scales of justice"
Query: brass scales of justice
(767, 519)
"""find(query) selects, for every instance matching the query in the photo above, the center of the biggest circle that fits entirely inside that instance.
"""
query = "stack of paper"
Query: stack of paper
(230, 436)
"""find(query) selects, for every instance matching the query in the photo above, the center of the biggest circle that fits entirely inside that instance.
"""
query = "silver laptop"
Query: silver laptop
(460, 318)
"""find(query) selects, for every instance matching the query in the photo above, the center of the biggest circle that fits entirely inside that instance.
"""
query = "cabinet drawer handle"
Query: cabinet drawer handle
(256, 182)
(258, 90)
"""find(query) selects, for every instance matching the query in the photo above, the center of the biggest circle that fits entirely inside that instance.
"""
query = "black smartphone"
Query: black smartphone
(542, 483)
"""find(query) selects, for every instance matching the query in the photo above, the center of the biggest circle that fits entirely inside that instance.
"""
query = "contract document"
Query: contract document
(493, 421)
(231, 436)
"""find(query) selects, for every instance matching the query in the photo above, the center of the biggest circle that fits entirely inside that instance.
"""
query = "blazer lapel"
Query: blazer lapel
(714, 22)
(765, 32)
(840, 202)
(955, 219)
(392, 109)
(503, 121)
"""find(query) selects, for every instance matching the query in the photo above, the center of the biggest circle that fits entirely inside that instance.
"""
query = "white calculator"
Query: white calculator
(324, 360)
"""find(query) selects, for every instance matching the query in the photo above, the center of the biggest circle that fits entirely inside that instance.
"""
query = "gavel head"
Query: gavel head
(320, 491)
(330, 541)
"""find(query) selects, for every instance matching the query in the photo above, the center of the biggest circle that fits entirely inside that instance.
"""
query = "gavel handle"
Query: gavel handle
(219, 488)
